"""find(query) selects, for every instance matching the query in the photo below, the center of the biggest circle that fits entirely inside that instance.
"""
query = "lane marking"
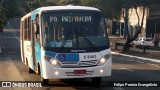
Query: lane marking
(154, 65)
(10, 37)
(118, 88)
(13, 32)
(126, 69)
(136, 57)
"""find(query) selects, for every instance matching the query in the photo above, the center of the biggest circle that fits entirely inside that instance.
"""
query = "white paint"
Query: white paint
(48, 71)
(126, 69)
(13, 32)
(118, 88)
(147, 59)
(154, 65)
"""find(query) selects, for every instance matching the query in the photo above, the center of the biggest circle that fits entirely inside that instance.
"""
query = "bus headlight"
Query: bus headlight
(55, 63)
(104, 59)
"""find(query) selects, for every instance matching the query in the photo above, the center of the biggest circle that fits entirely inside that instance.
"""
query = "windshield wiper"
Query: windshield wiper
(85, 38)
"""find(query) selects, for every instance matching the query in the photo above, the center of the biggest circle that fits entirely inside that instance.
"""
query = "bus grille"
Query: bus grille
(79, 64)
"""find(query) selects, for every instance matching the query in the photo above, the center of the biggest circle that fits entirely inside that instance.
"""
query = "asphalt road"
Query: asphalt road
(124, 69)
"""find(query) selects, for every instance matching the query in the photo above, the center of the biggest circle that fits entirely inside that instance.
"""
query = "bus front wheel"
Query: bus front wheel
(44, 81)
(96, 80)
(30, 70)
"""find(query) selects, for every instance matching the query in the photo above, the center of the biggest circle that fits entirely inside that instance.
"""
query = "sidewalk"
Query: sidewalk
(9, 73)
(8, 70)
(151, 55)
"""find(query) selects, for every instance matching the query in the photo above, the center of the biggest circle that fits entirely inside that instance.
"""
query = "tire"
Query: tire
(38, 71)
(30, 70)
(44, 81)
(96, 80)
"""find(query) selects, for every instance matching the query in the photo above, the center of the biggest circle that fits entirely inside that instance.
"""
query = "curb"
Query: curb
(142, 58)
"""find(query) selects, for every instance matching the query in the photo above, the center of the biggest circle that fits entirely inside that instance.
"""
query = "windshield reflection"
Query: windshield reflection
(73, 30)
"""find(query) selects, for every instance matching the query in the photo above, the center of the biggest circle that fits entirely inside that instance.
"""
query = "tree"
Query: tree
(110, 8)
(66, 2)
(135, 4)
(116, 8)
(8, 10)
(30, 5)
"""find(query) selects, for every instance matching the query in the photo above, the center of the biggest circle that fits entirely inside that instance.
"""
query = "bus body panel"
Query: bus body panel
(28, 54)
(48, 70)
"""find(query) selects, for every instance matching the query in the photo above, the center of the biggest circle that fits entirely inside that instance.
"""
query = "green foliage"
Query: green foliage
(91, 3)
(110, 8)
(8, 10)
(66, 2)
(32, 4)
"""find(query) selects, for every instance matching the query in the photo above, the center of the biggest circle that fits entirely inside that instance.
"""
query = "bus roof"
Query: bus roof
(27, 15)
(68, 7)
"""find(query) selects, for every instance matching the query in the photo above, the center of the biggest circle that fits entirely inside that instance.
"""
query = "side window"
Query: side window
(22, 29)
(29, 29)
(25, 30)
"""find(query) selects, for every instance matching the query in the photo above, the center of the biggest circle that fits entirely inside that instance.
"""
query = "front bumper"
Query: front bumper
(50, 72)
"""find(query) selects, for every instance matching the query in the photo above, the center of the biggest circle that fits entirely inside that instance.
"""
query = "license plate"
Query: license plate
(79, 71)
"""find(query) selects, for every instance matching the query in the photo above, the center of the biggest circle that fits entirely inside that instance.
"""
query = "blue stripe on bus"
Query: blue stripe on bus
(38, 52)
(34, 13)
(49, 53)
(68, 57)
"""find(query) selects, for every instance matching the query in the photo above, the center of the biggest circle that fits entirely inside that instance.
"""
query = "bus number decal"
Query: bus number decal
(89, 56)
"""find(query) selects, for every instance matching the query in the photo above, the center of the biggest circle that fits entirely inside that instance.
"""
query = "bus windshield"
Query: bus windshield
(73, 30)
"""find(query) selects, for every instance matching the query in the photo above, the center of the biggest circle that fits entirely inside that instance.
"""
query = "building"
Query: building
(133, 21)
(153, 23)
(117, 26)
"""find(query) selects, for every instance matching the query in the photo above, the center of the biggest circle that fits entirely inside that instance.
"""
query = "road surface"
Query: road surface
(124, 69)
